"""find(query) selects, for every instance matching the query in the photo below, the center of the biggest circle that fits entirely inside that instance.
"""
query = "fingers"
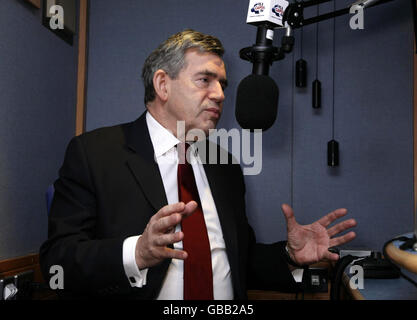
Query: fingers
(331, 256)
(332, 216)
(340, 227)
(179, 207)
(175, 254)
(168, 238)
(148, 254)
(152, 246)
(189, 208)
(166, 224)
(342, 239)
(289, 215)
(165, 252)
(170, 209)
(169, 216)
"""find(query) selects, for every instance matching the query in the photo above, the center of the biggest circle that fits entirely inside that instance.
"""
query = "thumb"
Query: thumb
(190, 208)
(289, 216)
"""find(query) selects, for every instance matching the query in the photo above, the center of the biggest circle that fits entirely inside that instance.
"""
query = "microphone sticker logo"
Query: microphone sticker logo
(258, 8)
(278, 10)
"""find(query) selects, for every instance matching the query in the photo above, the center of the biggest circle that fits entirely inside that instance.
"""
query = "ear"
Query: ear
(160, 84)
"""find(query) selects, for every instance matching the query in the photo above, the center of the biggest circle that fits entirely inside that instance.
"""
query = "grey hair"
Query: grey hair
(170, 56)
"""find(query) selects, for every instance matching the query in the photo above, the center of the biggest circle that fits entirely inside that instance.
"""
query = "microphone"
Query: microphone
(257, 94)
(257, 102)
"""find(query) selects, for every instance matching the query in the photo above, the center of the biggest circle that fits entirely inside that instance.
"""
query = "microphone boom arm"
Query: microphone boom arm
(294, 16)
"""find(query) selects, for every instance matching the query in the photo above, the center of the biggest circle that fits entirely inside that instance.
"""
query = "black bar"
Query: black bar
(301, 73)
(333, 153)
(316, 94)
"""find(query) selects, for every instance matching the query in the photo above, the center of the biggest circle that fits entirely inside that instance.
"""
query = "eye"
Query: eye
(203, 81)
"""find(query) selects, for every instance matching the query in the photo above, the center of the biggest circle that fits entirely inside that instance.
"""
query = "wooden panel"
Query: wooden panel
(17, 263)
(11, 267)
(82, 68)
(14, 266)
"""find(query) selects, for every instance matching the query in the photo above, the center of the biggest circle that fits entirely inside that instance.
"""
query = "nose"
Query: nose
(216, 92)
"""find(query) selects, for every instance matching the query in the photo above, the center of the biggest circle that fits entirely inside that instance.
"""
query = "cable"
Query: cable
(334, 66)
(336, 281)
(317, 43)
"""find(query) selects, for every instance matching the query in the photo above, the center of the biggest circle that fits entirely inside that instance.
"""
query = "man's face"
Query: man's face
(196, 95)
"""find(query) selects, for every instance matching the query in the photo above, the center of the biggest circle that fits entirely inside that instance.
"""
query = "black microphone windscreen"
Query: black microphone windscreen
(257, 102)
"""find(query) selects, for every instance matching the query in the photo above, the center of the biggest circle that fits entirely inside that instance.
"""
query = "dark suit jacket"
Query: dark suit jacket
(109, 187)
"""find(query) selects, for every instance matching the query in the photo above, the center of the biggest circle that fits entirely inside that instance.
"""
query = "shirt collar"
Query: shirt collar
(162, 139)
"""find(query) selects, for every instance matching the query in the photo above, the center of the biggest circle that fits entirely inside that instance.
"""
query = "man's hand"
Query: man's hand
(151, 247)
(310, 243)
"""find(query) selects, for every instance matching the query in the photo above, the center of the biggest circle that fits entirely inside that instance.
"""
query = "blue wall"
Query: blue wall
(37, 112)
(373, 107)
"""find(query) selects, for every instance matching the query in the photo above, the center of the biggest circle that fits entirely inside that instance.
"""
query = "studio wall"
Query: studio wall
(37, 114)
(373, 106)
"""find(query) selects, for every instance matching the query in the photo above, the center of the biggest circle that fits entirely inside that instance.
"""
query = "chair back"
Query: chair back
(49, 196)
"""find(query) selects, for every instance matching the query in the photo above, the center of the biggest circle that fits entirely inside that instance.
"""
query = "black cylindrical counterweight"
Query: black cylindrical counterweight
(333, 153)
(316, 94)
(301, 73)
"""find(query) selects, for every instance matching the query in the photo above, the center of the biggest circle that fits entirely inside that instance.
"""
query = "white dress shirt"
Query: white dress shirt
(164, 143)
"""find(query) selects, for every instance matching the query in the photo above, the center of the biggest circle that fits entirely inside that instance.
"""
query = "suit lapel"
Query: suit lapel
(142, 162)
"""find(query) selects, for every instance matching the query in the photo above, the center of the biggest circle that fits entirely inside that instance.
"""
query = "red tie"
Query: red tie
(198, 275)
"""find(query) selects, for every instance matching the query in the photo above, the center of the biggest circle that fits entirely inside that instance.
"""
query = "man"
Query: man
(128, 221)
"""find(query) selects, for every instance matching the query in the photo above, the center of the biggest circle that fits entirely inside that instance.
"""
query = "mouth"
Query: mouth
(214, 112)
